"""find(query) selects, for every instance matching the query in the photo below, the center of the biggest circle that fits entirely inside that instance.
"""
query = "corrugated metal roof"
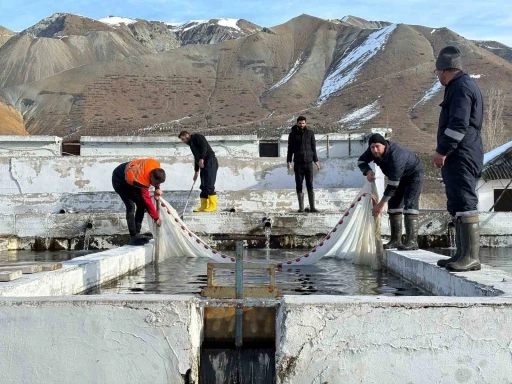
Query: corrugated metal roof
(500, 167)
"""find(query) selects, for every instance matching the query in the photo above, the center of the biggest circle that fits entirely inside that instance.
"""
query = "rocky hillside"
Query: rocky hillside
(498, 49)
(5, 34)
(226, 76)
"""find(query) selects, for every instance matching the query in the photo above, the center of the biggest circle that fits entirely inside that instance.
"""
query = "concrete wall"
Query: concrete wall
(486, 192)
(273, 201)
(163, 146)
(25, 146)
(338, 144)
(81, 273)
(84, 340)
(420, 267)
(94, 174)
(420, 340)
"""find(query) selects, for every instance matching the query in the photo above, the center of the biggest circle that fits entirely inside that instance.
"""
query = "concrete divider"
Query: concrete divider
(116, 339)
(249, 200)
(420, 267)
(81, 273)
(421, 340)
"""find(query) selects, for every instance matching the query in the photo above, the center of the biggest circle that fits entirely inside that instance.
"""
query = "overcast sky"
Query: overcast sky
(482, 20)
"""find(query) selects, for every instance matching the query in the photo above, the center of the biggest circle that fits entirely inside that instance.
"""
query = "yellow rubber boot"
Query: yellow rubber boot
(204, 205)
(212, 204)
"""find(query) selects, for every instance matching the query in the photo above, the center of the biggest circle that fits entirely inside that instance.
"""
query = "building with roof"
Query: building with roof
(495, 186)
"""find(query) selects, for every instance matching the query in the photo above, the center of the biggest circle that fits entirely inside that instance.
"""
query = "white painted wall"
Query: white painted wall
(94, 174)
(420, 340)
(486, 192)
(24, 146)
(84, 340)
(162, 146)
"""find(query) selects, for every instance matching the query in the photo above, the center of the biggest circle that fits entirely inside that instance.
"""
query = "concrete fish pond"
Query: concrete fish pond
(95, 310)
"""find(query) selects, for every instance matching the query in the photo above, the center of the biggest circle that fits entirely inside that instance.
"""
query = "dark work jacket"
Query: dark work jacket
(200, 149)
(301, 146)
(397, 162)
(460, 124)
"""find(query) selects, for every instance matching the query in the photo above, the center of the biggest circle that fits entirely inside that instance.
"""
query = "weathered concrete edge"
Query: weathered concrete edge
(420, 267)
(118, 325)
(82, 273)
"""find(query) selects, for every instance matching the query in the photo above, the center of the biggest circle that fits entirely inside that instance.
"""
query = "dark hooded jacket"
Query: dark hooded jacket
(301, 146)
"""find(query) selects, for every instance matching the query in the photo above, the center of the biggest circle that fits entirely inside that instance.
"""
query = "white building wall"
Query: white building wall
(25, 146)
(160, 146)
(486, 192)
(94, 174)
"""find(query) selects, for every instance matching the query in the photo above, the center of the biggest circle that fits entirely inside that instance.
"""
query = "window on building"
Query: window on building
(269, 149)
(505, 203)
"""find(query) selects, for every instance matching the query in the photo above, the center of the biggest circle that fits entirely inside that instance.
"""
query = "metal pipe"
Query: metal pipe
(239, 293)
(156, 253)
(327, 150)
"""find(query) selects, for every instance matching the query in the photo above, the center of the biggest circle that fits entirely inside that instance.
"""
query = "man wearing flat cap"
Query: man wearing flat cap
(460, 155)
(402, 194)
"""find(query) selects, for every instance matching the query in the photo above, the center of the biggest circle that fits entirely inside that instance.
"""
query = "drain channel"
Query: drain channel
(239, 327)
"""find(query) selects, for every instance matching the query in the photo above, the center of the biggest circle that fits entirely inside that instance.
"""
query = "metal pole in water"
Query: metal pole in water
(239, 292)
(156, 251)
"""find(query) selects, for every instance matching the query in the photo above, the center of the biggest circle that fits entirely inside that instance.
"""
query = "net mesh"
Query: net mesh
(352, 238)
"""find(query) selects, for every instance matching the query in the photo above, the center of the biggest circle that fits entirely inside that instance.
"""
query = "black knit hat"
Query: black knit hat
(377, 138)
(449, 57)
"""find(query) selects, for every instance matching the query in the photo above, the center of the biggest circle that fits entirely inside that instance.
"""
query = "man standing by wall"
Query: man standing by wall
(302, 148)
(205, 165)
(405, 179)
(460, 155)
(132, 181)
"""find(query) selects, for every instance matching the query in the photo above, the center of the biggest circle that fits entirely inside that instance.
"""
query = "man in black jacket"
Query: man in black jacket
(302, 149)
(206, 163)
(460, 155)
(405, 179)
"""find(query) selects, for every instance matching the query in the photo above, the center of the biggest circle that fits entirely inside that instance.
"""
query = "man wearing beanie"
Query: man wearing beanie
(460, 154)
(402, 194)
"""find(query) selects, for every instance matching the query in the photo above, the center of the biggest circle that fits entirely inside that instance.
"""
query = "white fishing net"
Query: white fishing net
(352, 238)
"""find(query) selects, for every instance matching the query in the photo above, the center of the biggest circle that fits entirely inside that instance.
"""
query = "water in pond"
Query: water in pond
(42, 256)
(500, 258)
(327, 277)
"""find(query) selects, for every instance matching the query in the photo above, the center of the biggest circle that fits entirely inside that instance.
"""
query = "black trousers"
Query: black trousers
(132, 199)
(407, 196)
(208, 176)
(303, 171)
(460, 179)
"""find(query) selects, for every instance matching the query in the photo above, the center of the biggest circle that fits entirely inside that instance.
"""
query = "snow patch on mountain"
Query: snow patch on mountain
(290, 74)
(430, 93)
(230, 23)
(115, 21)
(355, 119)
(350, 64)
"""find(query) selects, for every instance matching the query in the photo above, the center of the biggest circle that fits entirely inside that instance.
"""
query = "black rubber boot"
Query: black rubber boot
(300, 196)
(411, 233)
(443, 262)
(395, 225)
(470, 240)
(311, 198)
(138, 240)
(147, 235)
